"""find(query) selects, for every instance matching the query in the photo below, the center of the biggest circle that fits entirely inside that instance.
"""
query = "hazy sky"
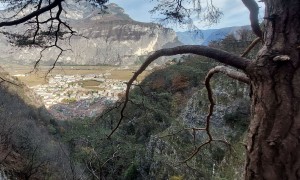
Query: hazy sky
(234, 12)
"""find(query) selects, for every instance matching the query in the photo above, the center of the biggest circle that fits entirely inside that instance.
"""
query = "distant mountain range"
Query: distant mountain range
(204, 37)
(110, 38)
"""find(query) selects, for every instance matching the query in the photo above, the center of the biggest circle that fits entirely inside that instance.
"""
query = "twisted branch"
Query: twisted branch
(237, 75)
(254, 10)
(218, 55)
(230, 73)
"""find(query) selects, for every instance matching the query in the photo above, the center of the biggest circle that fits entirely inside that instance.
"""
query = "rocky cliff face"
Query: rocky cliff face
(163, 153)
(105, 38)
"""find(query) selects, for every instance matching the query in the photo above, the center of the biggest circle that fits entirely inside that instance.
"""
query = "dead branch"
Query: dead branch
(218, 55)
(251, 46)
(254, 10)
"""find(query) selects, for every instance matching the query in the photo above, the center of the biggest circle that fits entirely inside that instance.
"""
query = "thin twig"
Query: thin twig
(7, 81)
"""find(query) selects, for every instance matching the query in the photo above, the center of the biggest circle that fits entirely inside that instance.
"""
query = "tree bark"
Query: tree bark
(273, 147)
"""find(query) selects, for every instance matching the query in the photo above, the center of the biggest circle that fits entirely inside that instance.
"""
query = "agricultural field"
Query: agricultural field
(39, 76)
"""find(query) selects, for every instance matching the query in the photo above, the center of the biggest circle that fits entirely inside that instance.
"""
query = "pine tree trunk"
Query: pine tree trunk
(273, 149)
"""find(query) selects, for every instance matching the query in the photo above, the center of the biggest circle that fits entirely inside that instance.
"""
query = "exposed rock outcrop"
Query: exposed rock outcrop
(105, 38)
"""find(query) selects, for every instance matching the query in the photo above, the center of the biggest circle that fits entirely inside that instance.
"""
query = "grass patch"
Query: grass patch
(126, 74)
(89, 83)
(33, 80)
(39, 77)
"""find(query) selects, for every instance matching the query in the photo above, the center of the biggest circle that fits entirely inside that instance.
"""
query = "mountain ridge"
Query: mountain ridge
(111, 38)
(204, 37)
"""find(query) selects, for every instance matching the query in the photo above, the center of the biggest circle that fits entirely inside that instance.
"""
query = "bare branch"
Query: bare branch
(37, 22)
(219, 55)
(229, 72)
(38, 12)
(196, 151)
(8, 81)
(90, 168)
(181, 12)
(111, 158)
(254, 10)
(251, 46)
(26, 4)
(116, 106)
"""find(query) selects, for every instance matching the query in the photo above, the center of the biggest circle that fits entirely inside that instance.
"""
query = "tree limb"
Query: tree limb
(254, 10)
(218, 55)
(251, 46)
(31, 15)
(231, 73)
(237, 75)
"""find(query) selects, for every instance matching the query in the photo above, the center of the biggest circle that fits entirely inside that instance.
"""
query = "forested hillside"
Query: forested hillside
(168, 126)
(156, 135)
(28, 150)
(155, 139)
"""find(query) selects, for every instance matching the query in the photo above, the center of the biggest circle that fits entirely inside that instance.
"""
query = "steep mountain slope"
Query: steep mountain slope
(156, 133)
(105, 38)
(27, 150)
(204, 37)
(154, 136)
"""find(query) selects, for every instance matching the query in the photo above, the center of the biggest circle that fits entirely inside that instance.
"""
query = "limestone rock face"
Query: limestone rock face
(104, 38)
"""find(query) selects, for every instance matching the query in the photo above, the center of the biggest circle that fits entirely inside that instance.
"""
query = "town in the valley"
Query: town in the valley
(71, 95)
(66, 97)
(68, 88)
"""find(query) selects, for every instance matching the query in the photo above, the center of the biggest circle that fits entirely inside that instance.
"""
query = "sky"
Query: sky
(234, 12)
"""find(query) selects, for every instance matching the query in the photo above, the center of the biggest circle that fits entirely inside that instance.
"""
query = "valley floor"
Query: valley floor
(75, 91)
